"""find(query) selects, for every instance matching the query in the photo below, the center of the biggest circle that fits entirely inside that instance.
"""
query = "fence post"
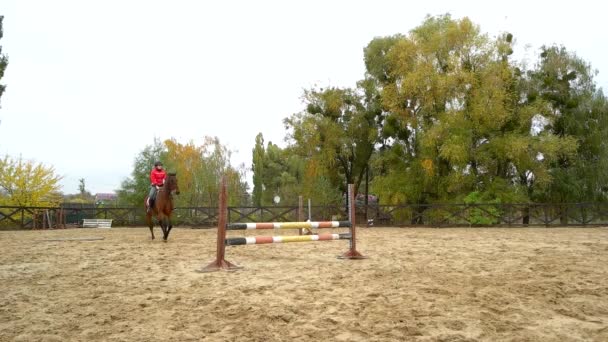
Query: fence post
(301, 216)
(300, 213)
(309, 210)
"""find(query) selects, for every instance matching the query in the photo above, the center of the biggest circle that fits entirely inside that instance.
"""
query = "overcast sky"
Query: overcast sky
(91, 83)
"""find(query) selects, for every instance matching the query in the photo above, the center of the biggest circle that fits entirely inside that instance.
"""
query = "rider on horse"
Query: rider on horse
(157, 179)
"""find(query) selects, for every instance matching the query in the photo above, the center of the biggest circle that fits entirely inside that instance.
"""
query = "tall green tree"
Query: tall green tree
(258, 170)
(276, 172)
(453, 121)
(338, 129)
(216, 164)
(82, 189)
(578, 110)
(283, 175)
(444, 114)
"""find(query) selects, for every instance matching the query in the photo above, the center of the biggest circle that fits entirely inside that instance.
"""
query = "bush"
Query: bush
(489, 215)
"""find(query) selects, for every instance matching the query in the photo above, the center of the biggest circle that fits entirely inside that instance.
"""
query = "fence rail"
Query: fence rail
(407, 215)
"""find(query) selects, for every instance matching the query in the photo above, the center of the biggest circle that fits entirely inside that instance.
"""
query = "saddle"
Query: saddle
(152, 199)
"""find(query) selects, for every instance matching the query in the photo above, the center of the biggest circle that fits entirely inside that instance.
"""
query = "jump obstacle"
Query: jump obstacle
(220, 263)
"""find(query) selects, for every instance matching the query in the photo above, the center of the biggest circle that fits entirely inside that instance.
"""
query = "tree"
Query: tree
(316, 184)
(27, 183)
(134, 189)
(258, 169)
(282, 176)
(82, 187)
(199, 170)
(186, 160)
(338, 130)
(216, 164)
(3, 60)
(276, 172)
(83, 195)
(453, 120)
(578, 110)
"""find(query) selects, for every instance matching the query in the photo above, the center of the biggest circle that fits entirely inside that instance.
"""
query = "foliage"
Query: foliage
(83, 195)
(27, 183)
(317, 186)
(483, 214)
(577, 110)
(3, 60)
(444, 112)
(199, 169)
(454, 121)
(276, 172)
(82, 188)
(258, 170)
(134, 189)
(337, 131)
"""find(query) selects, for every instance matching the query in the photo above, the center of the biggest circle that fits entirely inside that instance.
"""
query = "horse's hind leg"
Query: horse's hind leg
(150, 225)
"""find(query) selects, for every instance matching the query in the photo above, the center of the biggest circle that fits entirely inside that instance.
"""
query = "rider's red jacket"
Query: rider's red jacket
(157, 176)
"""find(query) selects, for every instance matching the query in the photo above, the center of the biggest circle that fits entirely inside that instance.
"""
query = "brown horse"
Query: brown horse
(163, 206)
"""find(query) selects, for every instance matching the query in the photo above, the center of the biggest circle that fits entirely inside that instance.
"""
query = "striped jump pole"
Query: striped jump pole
(220, 263)
(259, 240)
(288, 225)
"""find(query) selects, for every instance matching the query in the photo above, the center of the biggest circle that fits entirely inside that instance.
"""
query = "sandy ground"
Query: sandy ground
(418, 284)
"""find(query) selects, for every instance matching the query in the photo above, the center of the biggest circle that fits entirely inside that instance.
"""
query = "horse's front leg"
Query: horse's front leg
(164, 227)
(150, 224)
(169, 225)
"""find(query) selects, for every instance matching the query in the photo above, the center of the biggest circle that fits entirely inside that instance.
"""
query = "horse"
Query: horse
(163, 206)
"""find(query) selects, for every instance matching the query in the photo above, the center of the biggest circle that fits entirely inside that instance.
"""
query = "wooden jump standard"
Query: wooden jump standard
(220, 263)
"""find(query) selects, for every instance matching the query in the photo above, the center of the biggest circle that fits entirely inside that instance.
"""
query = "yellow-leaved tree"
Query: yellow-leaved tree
(27, 183)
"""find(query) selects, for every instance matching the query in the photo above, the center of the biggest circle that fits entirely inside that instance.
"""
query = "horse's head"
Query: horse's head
(171, 183)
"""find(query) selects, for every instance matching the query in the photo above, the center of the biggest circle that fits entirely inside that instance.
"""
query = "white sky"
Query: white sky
(90, 83)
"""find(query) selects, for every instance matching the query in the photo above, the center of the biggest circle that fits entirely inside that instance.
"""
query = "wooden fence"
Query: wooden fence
(407, 215)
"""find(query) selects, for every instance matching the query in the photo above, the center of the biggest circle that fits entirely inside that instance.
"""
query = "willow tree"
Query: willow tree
(336, 134)
(454, 122)
(200, 169)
